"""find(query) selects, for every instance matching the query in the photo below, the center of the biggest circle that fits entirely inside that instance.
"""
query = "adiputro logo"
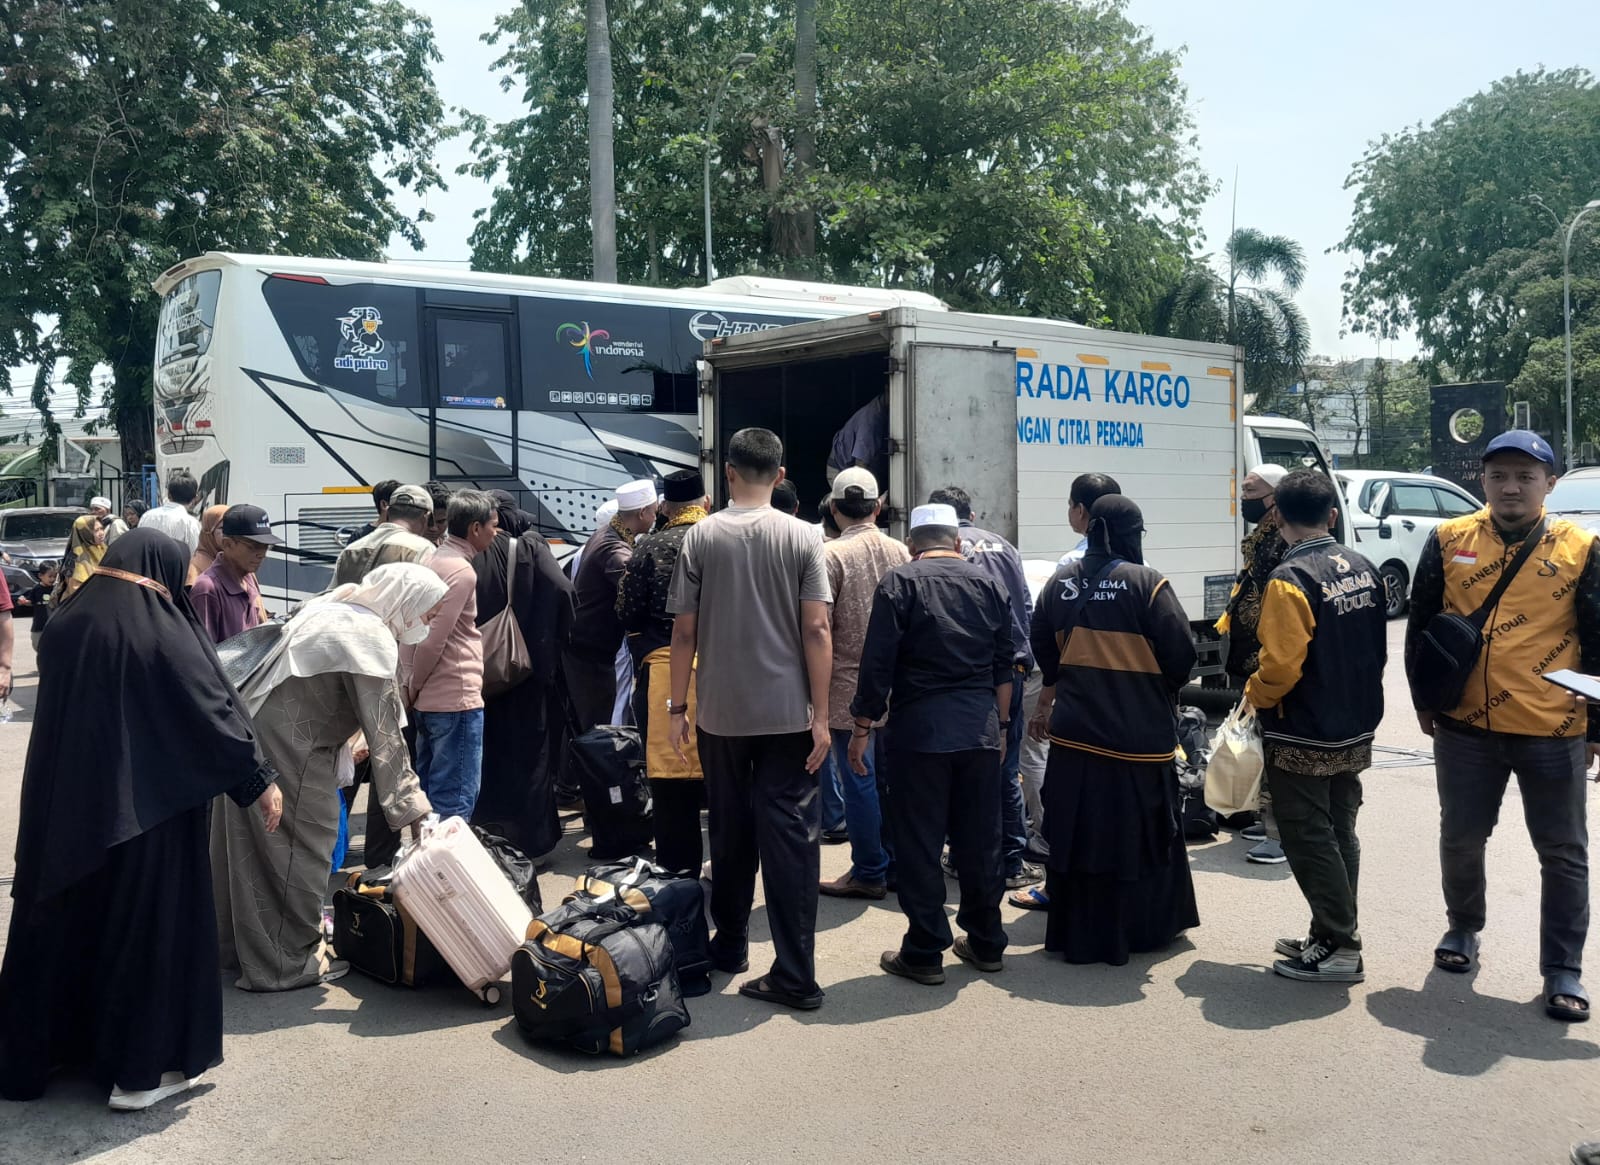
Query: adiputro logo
(359, 328)
(584, 341)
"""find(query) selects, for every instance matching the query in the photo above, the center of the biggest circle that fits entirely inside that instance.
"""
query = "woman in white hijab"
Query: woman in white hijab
(332, 673)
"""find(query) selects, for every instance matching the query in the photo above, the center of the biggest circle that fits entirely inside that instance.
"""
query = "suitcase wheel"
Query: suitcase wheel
(490, 995)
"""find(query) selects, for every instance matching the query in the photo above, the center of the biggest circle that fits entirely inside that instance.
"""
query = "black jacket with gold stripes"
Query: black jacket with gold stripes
(1324, 641)
(1115, 644)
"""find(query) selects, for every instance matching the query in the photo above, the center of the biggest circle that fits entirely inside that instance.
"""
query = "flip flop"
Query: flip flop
(1032, 898)
(1565, 984)
(763, 990)
(1457, 942)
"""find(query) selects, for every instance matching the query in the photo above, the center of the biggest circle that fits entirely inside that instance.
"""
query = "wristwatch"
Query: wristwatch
(676, 709)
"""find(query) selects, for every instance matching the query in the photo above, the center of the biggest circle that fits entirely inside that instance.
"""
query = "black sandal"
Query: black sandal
(1461, 943)
(1565, 985)
(763, 990)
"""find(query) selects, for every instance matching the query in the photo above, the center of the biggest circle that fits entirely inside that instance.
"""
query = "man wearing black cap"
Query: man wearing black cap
(226, 597)
(1508, 718)
(675, 782)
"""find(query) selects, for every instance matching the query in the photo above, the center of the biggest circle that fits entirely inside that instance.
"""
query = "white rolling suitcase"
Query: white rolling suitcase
(462, 901)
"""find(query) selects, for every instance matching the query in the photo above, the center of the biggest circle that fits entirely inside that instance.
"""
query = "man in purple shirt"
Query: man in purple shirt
(226, 597)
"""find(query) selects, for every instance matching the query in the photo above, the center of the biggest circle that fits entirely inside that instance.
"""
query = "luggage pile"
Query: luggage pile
(1199, 820)
(606, 970)
(457, 899)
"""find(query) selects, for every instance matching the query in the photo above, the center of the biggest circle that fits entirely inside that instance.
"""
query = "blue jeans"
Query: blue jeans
(828, 780)
(450, 760)
(862, 814)
(1013, 811)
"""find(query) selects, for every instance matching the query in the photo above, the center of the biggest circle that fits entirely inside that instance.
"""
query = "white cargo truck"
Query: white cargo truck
(1012, 410)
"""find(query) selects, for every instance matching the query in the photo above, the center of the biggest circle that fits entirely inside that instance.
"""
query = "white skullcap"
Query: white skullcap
(100, 503)
(937, 514)
(636, 495)
(1271, 474)
(605, 511)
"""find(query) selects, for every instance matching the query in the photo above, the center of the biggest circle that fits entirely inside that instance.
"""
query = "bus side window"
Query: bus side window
(357, 338)
(472, 367)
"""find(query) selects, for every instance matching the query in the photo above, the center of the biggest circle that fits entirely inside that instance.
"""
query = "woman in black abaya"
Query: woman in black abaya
(111, 963)
(517, 796)
(1114, 647)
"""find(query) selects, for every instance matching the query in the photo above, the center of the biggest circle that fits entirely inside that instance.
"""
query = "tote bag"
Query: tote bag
(505, 652)
(1233, 778)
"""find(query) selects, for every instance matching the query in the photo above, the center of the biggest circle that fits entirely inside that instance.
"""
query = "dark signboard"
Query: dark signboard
(1463, 419)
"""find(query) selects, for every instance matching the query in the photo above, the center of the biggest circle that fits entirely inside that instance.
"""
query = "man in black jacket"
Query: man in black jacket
(591, 657)
(1319, 691)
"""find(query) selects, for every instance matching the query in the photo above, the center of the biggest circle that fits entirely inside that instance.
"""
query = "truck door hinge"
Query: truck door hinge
(892, 365)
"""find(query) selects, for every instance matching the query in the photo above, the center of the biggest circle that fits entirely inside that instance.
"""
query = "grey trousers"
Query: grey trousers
(1035, 755)
(1472, 770)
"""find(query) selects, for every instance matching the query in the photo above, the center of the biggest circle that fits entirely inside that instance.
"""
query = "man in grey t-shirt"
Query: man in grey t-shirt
(750, 599)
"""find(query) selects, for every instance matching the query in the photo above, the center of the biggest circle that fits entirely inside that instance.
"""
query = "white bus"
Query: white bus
(295, 384)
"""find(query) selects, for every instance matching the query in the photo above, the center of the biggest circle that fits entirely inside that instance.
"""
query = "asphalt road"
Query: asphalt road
(1195, 1054)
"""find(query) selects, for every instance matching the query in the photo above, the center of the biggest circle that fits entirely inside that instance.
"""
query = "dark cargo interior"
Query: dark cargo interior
(805, 404)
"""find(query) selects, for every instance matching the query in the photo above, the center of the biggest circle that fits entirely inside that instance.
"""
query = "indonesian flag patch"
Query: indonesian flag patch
(1466, 557)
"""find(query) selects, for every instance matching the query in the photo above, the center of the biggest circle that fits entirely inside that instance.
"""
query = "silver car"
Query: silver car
(36, 536)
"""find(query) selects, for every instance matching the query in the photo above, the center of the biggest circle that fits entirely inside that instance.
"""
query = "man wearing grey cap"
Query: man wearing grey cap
(590, 661)
(400, 537)
(1506, 718)
(939, 644)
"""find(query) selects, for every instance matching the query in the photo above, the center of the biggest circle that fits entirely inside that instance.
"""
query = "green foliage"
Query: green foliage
(139, 132)
(1212, 302)
(1443, 218)
(1007, 155)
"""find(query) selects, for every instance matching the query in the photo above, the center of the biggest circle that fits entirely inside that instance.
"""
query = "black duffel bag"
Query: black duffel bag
(1450, 644)
(517, 866)
(1197, 819)
(377, 938)
(679, 904)
(609, 764)
(597, 983)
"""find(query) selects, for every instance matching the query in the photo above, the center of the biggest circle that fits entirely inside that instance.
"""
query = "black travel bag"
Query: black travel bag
(517, 866)
(679, 904)
(1198, 820)
(597, 982)
(1449, 646)
(377, 938)
(609, 763)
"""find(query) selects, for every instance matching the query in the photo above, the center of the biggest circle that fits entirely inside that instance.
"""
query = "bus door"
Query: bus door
(473, 385)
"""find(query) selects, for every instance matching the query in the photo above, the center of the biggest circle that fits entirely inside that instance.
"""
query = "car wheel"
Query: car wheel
(1396, 589)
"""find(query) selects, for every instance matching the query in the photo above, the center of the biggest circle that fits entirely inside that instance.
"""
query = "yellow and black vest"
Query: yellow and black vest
(1534, 629)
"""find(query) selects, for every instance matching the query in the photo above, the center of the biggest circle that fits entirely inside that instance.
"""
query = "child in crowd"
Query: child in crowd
(36, 599)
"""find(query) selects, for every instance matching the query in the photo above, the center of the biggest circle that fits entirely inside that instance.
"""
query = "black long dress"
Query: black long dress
(1114, 642)
(517, 795)
(111, 961)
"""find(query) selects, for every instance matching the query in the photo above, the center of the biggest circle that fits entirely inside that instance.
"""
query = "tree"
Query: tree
(800, 238)
(1212, 305)
(1434, 207)
(134, 133)
(1008, 155)
(602, 162)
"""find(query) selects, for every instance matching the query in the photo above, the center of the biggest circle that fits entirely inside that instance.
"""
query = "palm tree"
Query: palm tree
(1262, 319)
(602, 159)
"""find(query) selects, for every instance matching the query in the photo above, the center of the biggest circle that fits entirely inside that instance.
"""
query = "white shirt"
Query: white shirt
(176, 523)
(1075, 553)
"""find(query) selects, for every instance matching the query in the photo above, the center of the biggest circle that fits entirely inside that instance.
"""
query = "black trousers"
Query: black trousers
(676, 814)
(766, 812)
(592, 686)
(1316, 818)
(382, 843)
(932, 794)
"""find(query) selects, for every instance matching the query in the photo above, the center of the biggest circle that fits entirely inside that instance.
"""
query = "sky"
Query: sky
(1287, 95)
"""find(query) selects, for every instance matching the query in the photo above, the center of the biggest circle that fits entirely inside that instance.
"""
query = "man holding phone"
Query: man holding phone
(1508, 718)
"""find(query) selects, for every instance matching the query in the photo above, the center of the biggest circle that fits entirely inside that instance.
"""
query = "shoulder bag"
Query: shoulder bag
(505, 653)
(1450, 644)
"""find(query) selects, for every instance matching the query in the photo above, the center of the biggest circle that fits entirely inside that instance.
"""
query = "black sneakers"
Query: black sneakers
(1321, 962)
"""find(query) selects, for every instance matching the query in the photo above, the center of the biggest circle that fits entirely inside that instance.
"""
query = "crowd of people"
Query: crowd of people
(798, 683)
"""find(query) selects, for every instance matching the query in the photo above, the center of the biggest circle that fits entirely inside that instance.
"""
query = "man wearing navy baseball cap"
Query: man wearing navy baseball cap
(226, 597)
(1531, 586)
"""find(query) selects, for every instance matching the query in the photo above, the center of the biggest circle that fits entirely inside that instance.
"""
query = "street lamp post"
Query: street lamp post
(738, 62)
(1566, 314)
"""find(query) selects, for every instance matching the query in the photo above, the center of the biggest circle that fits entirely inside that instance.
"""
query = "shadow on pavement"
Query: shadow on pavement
(71, 1122)
(382, 1010)
(1467, 1034)
(1254, 999)
(1048, 978)
(1226, 856)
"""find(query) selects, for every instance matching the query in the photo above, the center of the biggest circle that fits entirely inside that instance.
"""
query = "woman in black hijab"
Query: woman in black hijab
(517, 798)
(111, 963)
(1114, 647)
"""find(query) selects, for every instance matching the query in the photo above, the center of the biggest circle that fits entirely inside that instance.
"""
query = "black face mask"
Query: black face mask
(1253, 509)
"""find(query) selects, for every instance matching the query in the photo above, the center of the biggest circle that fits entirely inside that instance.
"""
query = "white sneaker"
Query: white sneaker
(172, 1083)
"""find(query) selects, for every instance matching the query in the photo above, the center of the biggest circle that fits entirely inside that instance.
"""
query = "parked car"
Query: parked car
(32, 536)
(17, 579)
(1392, 515)
(1577, 496)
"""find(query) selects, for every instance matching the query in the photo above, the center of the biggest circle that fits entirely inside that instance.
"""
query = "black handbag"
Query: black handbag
(373, 935)
(1450, 644)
